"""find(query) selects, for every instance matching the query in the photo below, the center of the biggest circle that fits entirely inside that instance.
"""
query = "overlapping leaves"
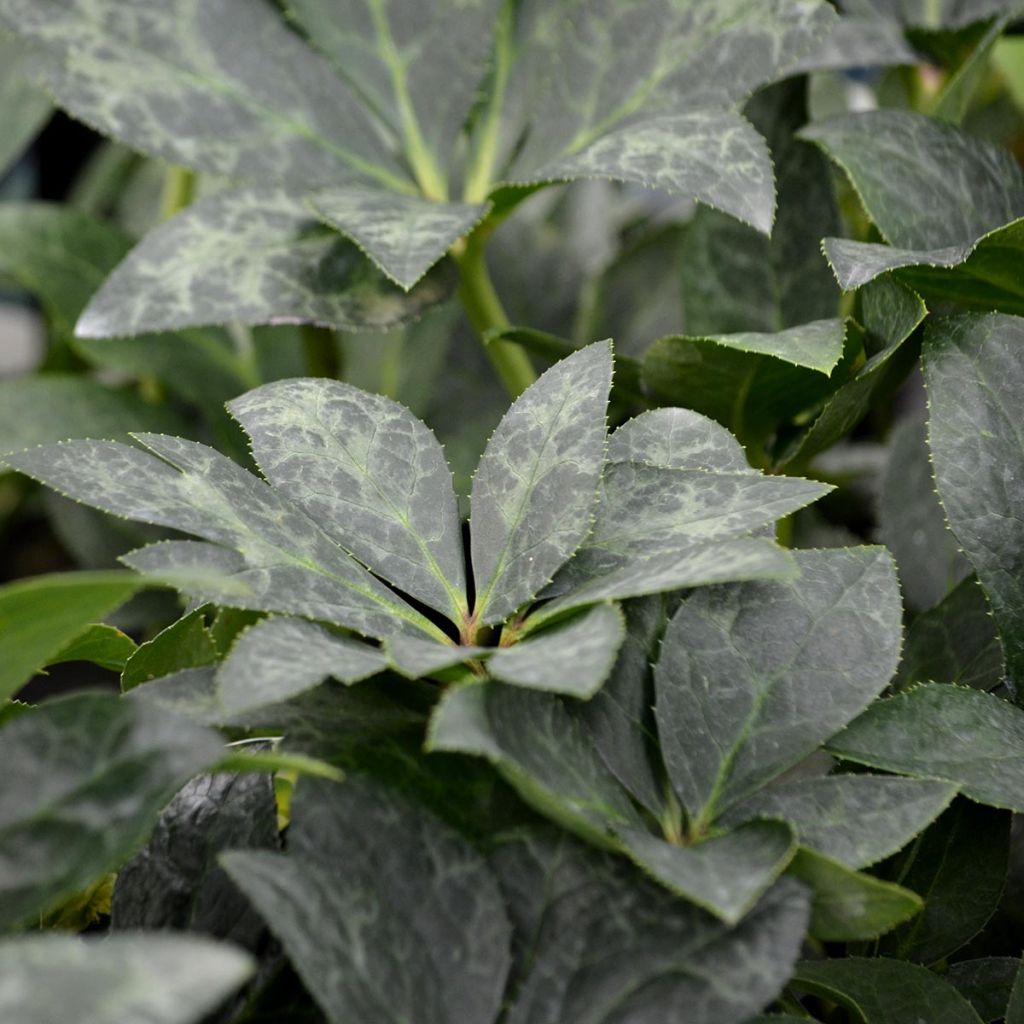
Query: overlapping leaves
(749, 680)
(357, 495)
(373, 117)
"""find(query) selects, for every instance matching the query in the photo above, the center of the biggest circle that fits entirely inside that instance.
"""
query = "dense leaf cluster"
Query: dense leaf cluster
(686, 688)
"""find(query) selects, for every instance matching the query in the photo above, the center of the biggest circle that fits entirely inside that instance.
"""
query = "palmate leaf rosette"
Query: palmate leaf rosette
(354, 525)
(391, 127)
(748, 680)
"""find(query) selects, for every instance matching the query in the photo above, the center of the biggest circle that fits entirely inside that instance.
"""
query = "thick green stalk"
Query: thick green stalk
(486, 313)
(179, 190)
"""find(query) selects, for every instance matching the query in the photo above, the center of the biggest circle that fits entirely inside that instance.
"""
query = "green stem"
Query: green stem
(486, 313)
(322, 356)
(179, 191)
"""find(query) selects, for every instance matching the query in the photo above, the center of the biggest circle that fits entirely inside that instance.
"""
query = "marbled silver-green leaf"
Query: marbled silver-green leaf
(418, 63)
(221, 85)
(283, 560)
(277, 659)
(370, 474)
(398, 918)
(713, 156)
(591, 933)
(726, 874)
(404, 235)
(752, 677)
(573, 658)
(257, 256)
(536, 484)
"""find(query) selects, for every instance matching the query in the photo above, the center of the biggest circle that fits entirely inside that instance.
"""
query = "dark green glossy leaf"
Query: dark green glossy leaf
(885, 991)
(280, 658)
(899, 735)
(186, 643)
(273, 558)
(740, 691)
(726, 874)
(985, 983)
(855, 819)
(912, 522)
(849, 905)
(41, 615)
(891, 314)
(592, 933)
(175, 883)
(369, 473)
(58, 254)
(736, 280)
(954, 642)
(535, 486)
(123, 979)
(973, 371)
(1015, 1008)
(66, 816)
(542, 749)
(403, 903)
(256, 256)
(959, 868)
(105, 646)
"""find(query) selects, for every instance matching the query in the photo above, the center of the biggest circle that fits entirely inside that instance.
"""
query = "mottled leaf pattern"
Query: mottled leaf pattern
(282, 560)
(403, 902)
(256, 255)
(25, 108)
(535, 486)
(404, 235)
(740, 682)
(713, 156)
(591, 934)
(370, 474)
(279, 658)
(418, 62)
(122, 979)
(66, 816)
(925, 184)
(222, 86)
(973, 371)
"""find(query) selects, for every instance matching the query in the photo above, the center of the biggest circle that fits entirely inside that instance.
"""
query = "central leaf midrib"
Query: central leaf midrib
(500, 566)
